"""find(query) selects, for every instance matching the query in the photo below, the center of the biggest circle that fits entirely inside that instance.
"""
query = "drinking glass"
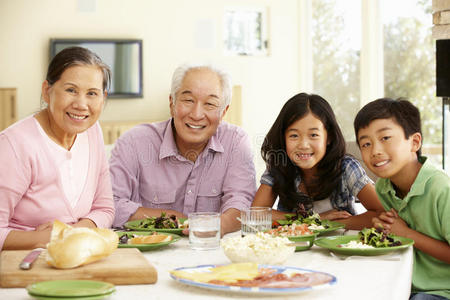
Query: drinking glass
(204, 230)
(255, 219)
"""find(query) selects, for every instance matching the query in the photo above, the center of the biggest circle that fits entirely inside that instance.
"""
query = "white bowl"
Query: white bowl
(260, 248)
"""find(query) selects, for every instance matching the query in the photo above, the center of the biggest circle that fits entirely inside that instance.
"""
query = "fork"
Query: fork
(347, 257)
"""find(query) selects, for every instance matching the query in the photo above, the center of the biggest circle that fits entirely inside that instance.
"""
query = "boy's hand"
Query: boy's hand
(391, 223)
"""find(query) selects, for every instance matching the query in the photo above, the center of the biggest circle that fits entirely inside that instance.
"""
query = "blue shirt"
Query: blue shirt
(353, 179)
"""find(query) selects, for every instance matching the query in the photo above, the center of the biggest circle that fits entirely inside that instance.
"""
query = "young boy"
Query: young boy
(415, 195)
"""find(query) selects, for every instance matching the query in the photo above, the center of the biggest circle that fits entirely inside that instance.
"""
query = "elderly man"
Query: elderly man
(191, 162)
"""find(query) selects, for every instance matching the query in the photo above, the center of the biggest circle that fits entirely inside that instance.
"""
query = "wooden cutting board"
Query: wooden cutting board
(123, 266)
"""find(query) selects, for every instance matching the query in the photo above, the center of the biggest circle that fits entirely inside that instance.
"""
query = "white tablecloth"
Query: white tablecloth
(377, 277)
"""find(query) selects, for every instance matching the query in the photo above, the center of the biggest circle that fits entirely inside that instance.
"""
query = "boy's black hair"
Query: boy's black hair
(403, 112)
(284, 171)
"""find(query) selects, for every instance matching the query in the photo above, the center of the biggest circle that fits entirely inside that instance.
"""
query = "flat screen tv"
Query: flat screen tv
(124, 57)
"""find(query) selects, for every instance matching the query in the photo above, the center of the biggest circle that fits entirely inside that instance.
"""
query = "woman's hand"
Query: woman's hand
(45, 226)
(42, 235)
(335, 214)
(84, 223)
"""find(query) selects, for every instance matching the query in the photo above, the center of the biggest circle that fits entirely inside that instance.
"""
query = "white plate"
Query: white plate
(254, 290)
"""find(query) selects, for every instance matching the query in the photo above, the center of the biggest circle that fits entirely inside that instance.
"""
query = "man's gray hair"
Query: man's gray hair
(181, 71)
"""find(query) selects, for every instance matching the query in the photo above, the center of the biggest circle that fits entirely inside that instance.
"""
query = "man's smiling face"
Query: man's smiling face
(197, 109)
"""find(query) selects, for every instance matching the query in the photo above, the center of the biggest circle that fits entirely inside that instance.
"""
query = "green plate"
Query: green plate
(147, 247)
(308, 239)
(70, 288)
(333, 225)
(332, 243)
(97, 297)
(134, 225)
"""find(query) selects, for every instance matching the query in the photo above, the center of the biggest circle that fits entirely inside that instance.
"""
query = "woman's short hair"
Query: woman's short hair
(76, 56)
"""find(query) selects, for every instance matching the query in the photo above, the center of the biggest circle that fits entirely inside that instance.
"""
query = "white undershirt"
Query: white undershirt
(321, 206)
(72, 164)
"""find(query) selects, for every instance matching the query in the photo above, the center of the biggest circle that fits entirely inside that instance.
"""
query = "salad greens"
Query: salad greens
(309, 218)
(161, 222)
(376, 237)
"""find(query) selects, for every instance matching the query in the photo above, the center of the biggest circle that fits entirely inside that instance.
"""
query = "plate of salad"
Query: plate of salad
(313, 221)
(126, 237)
(298, 233)
(163, 223)
(368, 242)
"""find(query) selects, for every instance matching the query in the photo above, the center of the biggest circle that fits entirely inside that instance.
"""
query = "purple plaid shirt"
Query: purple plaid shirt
(147, 170)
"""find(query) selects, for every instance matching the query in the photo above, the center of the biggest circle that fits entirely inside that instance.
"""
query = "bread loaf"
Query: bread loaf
(71, 247)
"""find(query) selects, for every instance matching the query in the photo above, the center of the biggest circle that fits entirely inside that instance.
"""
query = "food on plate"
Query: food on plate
(377, 238)
(372, 238)
(356, 245)
(162, 222)
(184, 224)
(290, 230)
(70, 247)
(261, 248)
(311, 219)
(150, 239)
(227, 273)
(302, 216)
(249, 275)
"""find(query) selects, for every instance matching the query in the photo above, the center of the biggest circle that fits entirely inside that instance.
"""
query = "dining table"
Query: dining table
(386, 276)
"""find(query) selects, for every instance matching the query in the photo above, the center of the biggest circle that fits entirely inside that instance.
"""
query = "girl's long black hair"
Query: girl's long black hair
(282, 169)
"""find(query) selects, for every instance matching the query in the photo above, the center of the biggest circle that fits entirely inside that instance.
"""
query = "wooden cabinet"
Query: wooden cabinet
(7, 107)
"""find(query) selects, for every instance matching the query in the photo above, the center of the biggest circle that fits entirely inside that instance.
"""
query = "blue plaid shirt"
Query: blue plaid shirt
(353, 179)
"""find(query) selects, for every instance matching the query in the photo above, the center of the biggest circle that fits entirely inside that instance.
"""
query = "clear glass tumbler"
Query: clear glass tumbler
(255, 219)
(204, 230)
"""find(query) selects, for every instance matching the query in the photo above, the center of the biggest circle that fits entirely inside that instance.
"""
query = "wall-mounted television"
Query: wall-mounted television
(123, 56)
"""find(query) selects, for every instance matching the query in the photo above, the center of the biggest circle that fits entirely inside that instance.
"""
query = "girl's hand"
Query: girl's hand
(335, 214)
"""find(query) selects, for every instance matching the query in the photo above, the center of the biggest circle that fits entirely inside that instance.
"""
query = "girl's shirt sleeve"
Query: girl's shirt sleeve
(354, 175)
(266, 178)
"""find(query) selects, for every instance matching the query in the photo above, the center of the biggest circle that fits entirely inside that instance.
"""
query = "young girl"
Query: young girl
(306, 165)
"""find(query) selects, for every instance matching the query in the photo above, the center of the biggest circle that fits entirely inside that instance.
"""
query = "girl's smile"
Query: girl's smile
(306, 141)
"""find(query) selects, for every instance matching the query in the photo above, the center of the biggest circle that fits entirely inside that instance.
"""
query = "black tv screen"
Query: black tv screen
(443, 68)
(124, 57)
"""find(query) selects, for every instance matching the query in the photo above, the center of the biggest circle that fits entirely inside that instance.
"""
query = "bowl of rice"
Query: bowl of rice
(261, 248)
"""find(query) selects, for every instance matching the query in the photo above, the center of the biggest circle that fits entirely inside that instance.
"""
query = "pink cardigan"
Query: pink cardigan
(31, 192)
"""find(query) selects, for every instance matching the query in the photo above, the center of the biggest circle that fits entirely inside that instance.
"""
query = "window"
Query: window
(245, 32)
(409, 66)
(336, 32)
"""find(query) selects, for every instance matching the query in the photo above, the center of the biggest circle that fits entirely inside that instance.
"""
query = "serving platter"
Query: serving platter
(134, 225)
(332, 243)
(255, 290)
(147, 247)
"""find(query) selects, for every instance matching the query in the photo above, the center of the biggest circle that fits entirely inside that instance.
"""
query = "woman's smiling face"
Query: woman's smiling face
(75, 101)
(306, 142)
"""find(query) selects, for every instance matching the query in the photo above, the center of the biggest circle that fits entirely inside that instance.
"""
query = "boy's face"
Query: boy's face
(385, 150)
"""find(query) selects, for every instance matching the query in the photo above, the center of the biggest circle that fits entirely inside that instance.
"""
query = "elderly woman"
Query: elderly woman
(53, 164)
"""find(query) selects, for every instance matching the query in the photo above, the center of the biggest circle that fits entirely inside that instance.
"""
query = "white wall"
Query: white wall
(169, 30)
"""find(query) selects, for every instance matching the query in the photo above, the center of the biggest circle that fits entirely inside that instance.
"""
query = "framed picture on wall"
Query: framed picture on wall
(245, 31)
